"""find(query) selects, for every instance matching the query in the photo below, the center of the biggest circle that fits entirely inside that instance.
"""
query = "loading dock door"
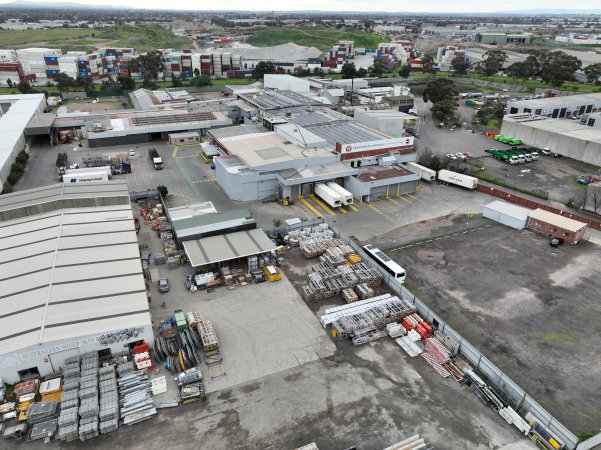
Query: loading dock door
(555, 113)
(57, 360)
(379, 192)
(306, 189)
(562, 113)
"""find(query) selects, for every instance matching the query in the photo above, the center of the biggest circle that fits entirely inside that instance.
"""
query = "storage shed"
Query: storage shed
(556, 226)
(507, 214)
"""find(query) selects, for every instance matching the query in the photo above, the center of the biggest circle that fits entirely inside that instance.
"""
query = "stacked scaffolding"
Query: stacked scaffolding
(314, 234)
(135, 399)
(88, 396)
(109, 400)
(68, 420)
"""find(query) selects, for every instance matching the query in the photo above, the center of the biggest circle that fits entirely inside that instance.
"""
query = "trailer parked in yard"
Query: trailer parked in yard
(87, 177)
(424, 173)
(346, 196)
(458, 179)
(328, 195)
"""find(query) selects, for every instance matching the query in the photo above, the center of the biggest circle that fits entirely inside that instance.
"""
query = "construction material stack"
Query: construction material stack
(88, 396)
(109, 400)
(135, 399)
(68, 420)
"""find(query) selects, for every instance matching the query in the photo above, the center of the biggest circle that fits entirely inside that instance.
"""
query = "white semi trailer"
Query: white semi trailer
(424, 173)
(347, 197)
(458, 179)
(328, 195)
(85, 177)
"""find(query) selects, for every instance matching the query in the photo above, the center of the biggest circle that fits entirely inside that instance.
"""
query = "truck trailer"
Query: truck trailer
(87, 170)
(86, 177)
(157, 162)
(346, 196)
(424, 173)
(458, 179)
(328, 195)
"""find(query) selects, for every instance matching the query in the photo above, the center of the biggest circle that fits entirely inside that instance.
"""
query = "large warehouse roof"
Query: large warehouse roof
(69, 265)
(226, 247)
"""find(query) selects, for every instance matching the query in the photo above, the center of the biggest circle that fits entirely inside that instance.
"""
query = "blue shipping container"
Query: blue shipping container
(51, 58)
(52, 72)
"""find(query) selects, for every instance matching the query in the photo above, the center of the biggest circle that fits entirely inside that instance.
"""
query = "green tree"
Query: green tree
(378, 67)
(439, 89)
(492, 63)
(405, 71)
(201, 81)
(162, 190)
(277, 223)
(444, 109)
(558, 67)
(593, 73)
(150, 64)
(460, 65)
(127, 83)
(65, 82)
(361, 72)
(149, 83)
(85, 83)
(9, 82)
(196, 72)
(428, 64)
(24, 87)
(490, 110)
(176, 81)
(318, 71)
(528, 68)
(264, 67)
(348, 70)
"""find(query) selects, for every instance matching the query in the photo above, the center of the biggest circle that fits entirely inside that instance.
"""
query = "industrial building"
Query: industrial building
(15, 113)
(502, 38)
(310, 144)
(71, 278)
(563, 136)
(134, 127)
(147, 100)
(556, 226)
(554, 107)
(190, 222)
(508, 214)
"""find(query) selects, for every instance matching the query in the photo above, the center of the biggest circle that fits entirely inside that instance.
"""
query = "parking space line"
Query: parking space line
(322, 205)
(404, 199)
(415, 198)
(353, 207)
(302, 210)
(204, 181)
(310, 206)
(392, 200)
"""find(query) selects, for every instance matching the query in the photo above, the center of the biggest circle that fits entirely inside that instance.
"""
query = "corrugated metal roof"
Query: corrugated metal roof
(519, 212)
(226, 247)
(68, 272)
(556, 220)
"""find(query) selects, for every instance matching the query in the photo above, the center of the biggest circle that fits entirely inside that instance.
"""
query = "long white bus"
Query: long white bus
(388, 264)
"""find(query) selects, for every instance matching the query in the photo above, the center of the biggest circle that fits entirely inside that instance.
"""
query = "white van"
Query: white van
(521, 159)
(513, 160)
(528, 157)
(534, 155)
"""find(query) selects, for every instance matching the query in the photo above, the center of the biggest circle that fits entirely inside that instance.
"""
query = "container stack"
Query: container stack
(67, 64)
(206, 64)
(394, 54)
(446, 55)
(39, 61)
(339, 54)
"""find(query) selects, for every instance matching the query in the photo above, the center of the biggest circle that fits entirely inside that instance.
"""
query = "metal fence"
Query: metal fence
(515, 396)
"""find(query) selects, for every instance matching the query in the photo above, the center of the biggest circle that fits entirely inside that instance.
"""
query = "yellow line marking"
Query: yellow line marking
(342, 210)
(322, 205)
(353, 207)
(310, 206)
(188, 156)
(174, 152)
(392, 200)
(404, 199)
(302, 210)
(414, 198)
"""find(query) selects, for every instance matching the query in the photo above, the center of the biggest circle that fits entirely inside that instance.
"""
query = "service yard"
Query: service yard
(528, 307)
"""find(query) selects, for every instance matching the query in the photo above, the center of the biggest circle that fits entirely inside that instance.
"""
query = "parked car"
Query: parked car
(132, 152)
(460, 155)
(163, 285)
(468, 154)
(189, 281)
(451, 156)
(546, 151)
(556, 242)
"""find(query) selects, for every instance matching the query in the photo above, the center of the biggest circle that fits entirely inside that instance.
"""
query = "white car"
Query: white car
(546, 151)
(460, 155)
(132, 152)
(451, 156)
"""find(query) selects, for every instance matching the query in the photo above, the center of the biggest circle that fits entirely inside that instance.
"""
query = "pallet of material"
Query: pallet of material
(370, 336)
(208, 336)
(395, 330)
(349, 295)
(451, 344)
(364, 291)
(410, 347)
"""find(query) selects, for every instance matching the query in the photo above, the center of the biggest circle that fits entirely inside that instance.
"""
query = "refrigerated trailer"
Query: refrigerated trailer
(458, 179)
(328, 195)
(86, 177)
(346, 196)
(424, 173)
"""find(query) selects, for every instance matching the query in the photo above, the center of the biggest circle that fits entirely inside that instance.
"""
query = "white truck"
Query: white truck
(328, 195)
(154, 156)
(458, 179)
(424, 173)
(105, 169)
(347, 197)
(85, 177)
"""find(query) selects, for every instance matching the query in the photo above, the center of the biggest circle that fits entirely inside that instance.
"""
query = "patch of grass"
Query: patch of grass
(322, 38)
(143, 37)
(494, 123)
(555, 338)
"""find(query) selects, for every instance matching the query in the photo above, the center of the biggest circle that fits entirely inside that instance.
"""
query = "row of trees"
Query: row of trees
(377, 69)
(441, 92)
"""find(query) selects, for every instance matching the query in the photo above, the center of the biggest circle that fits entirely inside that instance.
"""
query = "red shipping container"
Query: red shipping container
(176, 67)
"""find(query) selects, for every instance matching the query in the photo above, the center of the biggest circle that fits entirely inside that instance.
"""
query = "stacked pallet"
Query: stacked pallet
(68, 429)
(135, 400)
(109, 400)
(314, 234)
(364, 291)
(68, 421)
(88, 396)
(395, 330)
(208, 336)
(349, 295)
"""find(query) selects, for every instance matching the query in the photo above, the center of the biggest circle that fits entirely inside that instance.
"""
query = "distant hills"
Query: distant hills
(60, 5)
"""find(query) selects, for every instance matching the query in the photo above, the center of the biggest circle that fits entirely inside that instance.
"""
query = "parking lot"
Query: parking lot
(526, 306)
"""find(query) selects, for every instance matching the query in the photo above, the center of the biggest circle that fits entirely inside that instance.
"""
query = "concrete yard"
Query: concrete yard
(526, 306)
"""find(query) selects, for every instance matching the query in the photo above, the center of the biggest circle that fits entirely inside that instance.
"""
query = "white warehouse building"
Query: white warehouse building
(71, 279)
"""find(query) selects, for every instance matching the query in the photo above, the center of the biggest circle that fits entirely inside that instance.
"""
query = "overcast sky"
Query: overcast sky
(351, 5)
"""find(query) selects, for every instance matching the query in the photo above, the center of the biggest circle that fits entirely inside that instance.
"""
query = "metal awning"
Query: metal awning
(226, 247)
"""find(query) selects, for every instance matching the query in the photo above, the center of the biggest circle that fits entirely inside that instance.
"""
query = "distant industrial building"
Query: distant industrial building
(502, 38)
(72, 279)
(554, 107)
(147, 100)
(16, 111)
(556, 226)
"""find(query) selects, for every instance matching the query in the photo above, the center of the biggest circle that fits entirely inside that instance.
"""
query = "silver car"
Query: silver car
(163, 285)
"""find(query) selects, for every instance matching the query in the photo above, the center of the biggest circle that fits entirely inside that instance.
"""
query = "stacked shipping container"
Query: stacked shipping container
(339, 54)
(446, 55)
